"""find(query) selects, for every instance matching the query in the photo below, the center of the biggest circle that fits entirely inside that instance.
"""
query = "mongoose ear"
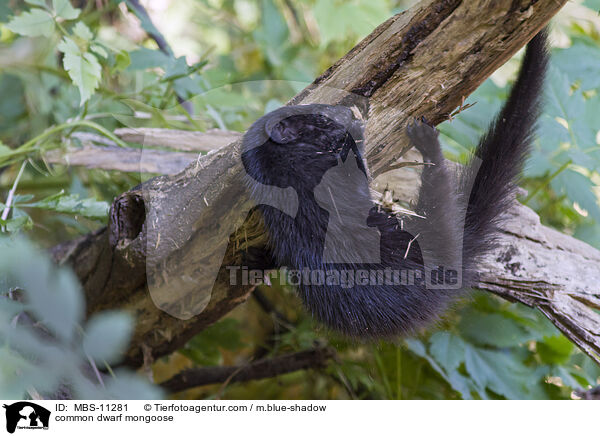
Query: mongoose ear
(283, 131)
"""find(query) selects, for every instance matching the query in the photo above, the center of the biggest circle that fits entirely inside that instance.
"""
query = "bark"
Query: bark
(179, 139)
(421, 62)
(109, 156)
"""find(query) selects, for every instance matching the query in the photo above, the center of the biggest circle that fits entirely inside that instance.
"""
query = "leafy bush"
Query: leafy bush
(45, 349)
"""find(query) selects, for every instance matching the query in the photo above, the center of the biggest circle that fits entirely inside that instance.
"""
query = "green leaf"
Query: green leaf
(15, 224)
(127, 385)
(53, 295)
(41, 3)
(156, 116)
(71, 204)
(188, 88)
(83, 68)
(22, 198)
(12, 103)
(274, 23)
(107, 336)
(574, 381)
(83, 31)
(544, 159)
(337, 20)
(99, 50)
(331, 24)
(4, 150)
(461, 384)
(458, 382)
(592, 4)
(122, 60)
(63, 307)
(176, 68)
(205, 347)
(579, 62)
(448, 350)
(53, 299)
(64, 9)
(492, 329)
(499, 372)
(555, 349)
(146, 58)
(12, 363)
(5, 12)
(590, 233)
(590, 368)
(368, 14)
(578, 188)
(36, 22)
(558, 98)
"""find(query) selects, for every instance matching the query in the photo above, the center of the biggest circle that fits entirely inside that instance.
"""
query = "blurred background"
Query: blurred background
(71, 67)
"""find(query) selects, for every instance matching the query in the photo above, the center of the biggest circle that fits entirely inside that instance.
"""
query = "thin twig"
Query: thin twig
(266, 368)
(11, 194)
(95, 369)
(591, 394)
(160, 40)
(410, 244)
(226, 382)
(399, 165)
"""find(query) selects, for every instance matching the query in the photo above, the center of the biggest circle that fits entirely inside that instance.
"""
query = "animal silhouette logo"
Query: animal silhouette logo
(26, 415)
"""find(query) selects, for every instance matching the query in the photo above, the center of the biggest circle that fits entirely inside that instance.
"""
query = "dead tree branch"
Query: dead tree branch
(109, 156)
(266, 368)
(420, 62)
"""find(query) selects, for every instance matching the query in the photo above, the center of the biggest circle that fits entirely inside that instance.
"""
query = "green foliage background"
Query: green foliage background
(72, 66)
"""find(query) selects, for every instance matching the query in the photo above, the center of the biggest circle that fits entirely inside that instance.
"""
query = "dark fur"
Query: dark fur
(296, 146)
